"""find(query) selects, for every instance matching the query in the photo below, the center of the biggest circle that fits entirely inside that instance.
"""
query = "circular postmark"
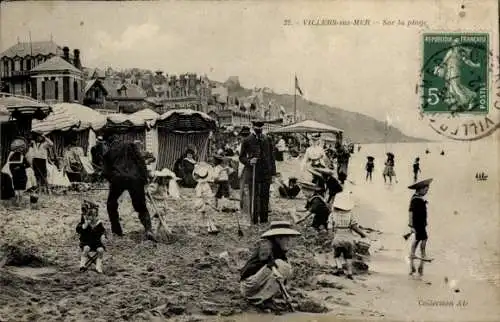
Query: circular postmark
(457, 96)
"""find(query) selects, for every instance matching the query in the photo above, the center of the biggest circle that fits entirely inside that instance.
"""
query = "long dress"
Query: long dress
(314, 157)
(458, 93)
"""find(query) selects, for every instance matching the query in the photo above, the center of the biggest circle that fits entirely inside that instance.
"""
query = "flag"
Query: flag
(297, 87)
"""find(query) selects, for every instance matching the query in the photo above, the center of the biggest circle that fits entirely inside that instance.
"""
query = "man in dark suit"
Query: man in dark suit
(258, 158)
(125, 169)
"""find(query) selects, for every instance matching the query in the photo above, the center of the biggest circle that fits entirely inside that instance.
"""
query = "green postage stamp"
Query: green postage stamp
(455, 73)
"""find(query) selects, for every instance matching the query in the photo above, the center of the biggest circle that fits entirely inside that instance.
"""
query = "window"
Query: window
(5, 67)
(17, 65)
(43, 90)
(56, 92)
(28, 64)
(75, 89)
(28, 88)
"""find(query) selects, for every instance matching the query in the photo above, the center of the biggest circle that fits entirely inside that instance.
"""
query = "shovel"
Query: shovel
(286, 296)
(90, 261)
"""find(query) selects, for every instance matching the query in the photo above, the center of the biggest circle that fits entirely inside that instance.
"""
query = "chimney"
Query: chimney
(66, 53)
(76, 61)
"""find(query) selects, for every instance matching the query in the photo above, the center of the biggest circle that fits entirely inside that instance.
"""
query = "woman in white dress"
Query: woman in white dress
(314, 157)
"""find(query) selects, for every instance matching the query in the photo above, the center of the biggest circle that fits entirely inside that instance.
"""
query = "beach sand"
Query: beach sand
(194, 276)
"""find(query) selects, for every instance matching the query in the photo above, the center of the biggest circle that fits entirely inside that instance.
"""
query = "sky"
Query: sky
(367, 69)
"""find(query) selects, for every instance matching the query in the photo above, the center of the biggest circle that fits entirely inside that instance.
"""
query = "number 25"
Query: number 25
(433, 97)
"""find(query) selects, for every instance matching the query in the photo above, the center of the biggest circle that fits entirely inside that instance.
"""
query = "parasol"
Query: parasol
(24, 106)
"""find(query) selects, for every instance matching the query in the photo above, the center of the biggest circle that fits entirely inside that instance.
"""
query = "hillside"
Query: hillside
(358, 127)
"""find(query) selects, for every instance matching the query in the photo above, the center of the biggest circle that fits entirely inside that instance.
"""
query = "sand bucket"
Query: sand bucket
(362, 247)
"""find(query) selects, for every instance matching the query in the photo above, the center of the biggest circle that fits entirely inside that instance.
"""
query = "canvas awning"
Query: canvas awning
(147, 114)
(307, 126)
(129, 120)
(70, 116)
(24, 106)
(185, 120)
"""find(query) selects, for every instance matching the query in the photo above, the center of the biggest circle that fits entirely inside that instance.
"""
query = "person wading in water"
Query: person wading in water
(418, 223)
(125, 169)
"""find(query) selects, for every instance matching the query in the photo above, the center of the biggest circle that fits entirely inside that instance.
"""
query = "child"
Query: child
(416, 169)
(204, 194)
(389, 168)
(316, 205)
(344, 224)
(289, 191)
(370, 165)
(221, 178)
(418, 222)
(17, 165)
(92, 236)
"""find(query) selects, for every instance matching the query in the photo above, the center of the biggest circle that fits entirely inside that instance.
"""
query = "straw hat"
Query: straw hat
(314, 172)
(280, 228)
(201, 171)
(316, 136)
(325, 171)
(343, 201)
(166, 173)
(421, 184)
(308, 186)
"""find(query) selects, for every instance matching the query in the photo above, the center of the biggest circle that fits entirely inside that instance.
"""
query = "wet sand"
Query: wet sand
(195, 275)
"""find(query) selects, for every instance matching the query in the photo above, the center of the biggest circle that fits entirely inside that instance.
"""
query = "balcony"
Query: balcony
(16, 74)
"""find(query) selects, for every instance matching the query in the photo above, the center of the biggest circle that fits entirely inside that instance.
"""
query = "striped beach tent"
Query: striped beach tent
(179, 128)
(139, 126)
(70, 119)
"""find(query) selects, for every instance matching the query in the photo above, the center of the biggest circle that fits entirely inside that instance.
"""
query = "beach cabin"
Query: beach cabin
(179, 128)
(16, 115)
(68, 120)
(140, 126)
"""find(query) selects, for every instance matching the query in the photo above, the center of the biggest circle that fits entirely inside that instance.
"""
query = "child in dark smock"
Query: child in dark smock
(92, 235)
(317, 206)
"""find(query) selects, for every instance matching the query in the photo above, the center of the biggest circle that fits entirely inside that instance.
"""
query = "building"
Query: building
(122, 97)
(185, 91)
(18, 61)
(57, 81)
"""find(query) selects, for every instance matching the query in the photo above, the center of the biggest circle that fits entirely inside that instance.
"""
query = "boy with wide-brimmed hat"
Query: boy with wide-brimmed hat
(316, 205)
(344, 224)
(268, 268)
(418, 222)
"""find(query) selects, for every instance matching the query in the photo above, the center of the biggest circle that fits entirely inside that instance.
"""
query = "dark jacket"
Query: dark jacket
(263, 150)
(266, 253)
(124, 161)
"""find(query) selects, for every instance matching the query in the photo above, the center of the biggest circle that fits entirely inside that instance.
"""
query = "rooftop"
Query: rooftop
(56, 63)
(34, 48)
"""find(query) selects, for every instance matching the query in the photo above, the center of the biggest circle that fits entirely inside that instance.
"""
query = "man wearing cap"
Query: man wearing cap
(268, 266)
(125, 169)
(418, 222)
(258, 157)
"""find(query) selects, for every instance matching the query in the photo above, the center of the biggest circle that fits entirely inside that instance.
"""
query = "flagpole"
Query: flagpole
(295, 98)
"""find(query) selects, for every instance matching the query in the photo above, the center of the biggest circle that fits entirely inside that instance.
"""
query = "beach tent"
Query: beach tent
(140, 126)
(179, 128)
(67, 119)
(309, 126)
(16, 114)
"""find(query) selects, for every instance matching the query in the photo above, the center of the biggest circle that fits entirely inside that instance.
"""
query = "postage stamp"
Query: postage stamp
(456, 93)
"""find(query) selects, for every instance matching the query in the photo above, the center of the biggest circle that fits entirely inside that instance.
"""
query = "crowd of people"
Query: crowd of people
(249, 163)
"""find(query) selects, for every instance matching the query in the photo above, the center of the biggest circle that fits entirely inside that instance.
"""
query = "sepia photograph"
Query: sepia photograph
(250, 160)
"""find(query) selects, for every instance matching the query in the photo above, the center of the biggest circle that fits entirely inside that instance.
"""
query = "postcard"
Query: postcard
(250, 160)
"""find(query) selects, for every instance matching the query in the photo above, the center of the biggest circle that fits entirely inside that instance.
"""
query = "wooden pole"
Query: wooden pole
(295, 98)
